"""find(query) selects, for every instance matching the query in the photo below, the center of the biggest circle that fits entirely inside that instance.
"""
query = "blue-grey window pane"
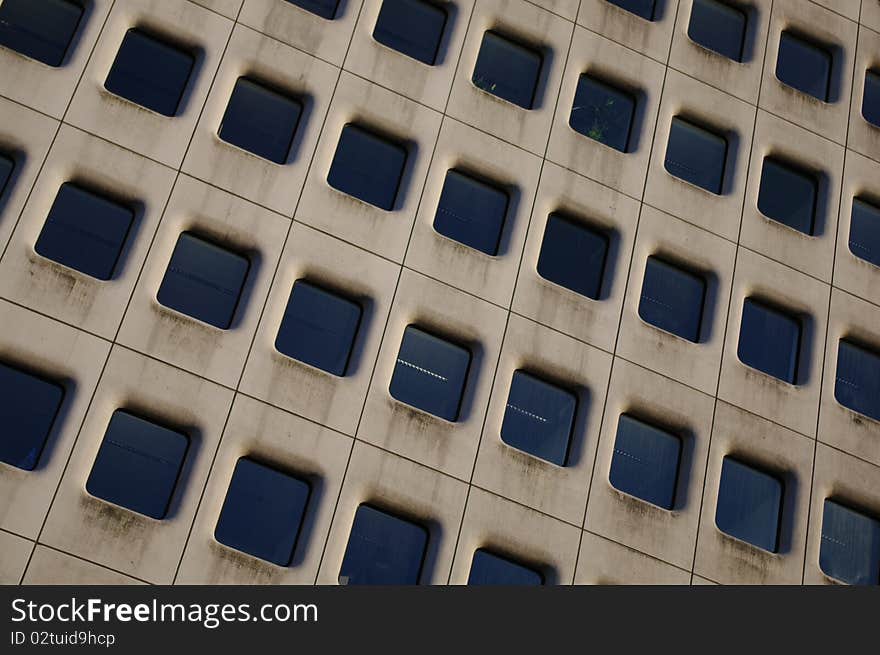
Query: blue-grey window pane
(864, 231)
(323, 8)
(858, 379)
(7, 165)
(368, 167)
(769, 340)
(850, 549)
(260, 120)
(263, 512)
(413, 27)
(204, 281)
(788, 196)
(538, 418)
(603, 112)
(696, 155)
(573, 256)
(471, 212)
(138, 465)
(383, 549)
(672, 299)
(39, 29)
(319, 328)
(718, 27)
(28, 408)
(749, 505)
(488, 568)
(804, 66)
(85, 231)
(871, 98)
(508, 70)
(645, 462)
(642, 8)
(150, 72)
(430, 373)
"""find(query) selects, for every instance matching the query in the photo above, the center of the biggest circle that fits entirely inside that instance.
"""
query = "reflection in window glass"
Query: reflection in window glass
(323, 8)
(488, 568)
(749, 505)
(7, 165)
(137, 465)
(383, 549)
(413, 27)
(538, 418)
(864, 231)
(871, 98)
(508, 70)
(263, 512)
(645, 462)
(641, 8)
(769, 340)
(204, 281)
(672, 299)
(603, 112)
(857, 384)
(804, 66)
(430, 373)
(367, 167)
(29, 406)
(850, 547)
(39, 29)
(718, 27)
(471, 212)
(696, 155)
(788, 195)
(85, 231)
(573, 256)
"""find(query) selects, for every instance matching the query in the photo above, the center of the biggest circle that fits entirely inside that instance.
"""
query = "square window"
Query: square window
(603, 112)
(263, 512)
(871, 98)
(507, 69)
(85, 231)
(383, 549)
(29, 406)
(471, 212)
(850, 548)
(150, 72)
(788, 195)
(642, 8)
(488, 568)
(804, 66)
(538, 418)
(645, 462)
(7, 166)
(696, 155)
(368, 167)
(864, 231)
(39, 29)
(718, 27)
(260, 120)
(573, 255)
(323, 8)
(769, 340)
(672, 299)
(412, 27)
(430, 373)
(857, 384)
(319, 328)
(203, 281)
(749, 505)
(138, 465)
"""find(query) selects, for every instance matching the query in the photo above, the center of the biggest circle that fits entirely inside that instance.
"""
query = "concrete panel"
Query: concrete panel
(864, 137)
(605, 562)
(852, 273)
(650, 38)
(52, 567)
(14, 554)
(697, 581)
(870, 15)
(228, 8)
(565, 8)
(847, 8)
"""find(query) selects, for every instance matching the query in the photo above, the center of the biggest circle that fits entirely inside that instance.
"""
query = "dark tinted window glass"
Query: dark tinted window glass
(471, 212)
(602, 112)
(367, 167)
(383, 549)
(204, 281)
(850, 548)
(39, 29)
(858, 379)
(263, 512)
(412, 27)
(507, 69)
(488, 568)
(769, 340)
(7, 165)
(643, 8)
(871, 98)
(696, 155)
(804, 66)
(538, 418)
(323, 8)
(137, 465)
(645, 462)
(749, 504)
(430, 373)
(85, 231)
(149, 72)
(260, 120)
(573, 256)
(28, 407)
(672, 299)
(318, 328)
(864, 232)
(718, 27)
(788, 196)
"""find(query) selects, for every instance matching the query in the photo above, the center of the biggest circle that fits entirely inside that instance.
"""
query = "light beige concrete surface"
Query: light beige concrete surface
(52, 567)
(14, 554)
(228, 8)
(651, 38)
(852, 273)
(862, 136)
(602, 561)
